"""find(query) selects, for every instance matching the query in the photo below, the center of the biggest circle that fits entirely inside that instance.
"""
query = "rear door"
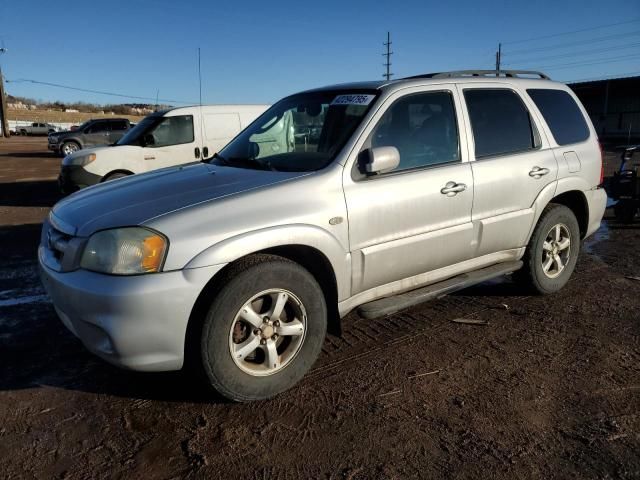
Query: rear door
(97, 134)
(219, 129)
(512, 164)
(118, 129)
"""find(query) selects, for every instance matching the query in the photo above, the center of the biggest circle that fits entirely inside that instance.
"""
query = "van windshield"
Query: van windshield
(301, 133)
(136, 134)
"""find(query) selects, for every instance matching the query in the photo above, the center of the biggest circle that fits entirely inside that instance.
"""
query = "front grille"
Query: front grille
(57, 242)
(61, 250)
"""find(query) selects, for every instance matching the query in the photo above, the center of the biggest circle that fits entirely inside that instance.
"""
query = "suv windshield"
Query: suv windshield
(301, 133)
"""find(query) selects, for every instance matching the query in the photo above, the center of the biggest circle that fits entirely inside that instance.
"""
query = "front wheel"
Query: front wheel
(264, 329)
(68, 148)
(553, 250)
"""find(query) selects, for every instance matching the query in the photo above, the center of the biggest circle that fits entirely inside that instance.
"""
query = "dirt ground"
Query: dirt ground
(549, 388)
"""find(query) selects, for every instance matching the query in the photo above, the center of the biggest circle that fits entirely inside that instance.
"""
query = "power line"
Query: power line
(607, 77)
(573, 54)
(572, 44)
(584, 64)
(99, 92)
(572, 32)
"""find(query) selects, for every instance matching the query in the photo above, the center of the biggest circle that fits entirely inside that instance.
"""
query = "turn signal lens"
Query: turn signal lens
(153, 253)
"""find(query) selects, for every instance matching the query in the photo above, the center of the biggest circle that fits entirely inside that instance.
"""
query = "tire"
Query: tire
(246, 375)
(625, 211)
(554, 217)
(67, 148)
(114, 176)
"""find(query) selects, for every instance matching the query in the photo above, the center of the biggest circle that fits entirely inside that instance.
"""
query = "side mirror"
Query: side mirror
(381, 160)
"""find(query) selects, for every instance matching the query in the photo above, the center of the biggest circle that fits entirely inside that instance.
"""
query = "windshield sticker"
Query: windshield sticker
(352, 99)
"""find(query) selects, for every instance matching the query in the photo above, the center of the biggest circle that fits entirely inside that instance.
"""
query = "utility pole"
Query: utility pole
(4, 121)
(498, 59)
(388, 54)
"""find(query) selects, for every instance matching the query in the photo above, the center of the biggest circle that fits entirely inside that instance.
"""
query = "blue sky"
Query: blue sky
(257, 52)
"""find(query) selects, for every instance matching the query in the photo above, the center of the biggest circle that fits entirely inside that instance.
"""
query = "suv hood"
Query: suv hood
(139, 198)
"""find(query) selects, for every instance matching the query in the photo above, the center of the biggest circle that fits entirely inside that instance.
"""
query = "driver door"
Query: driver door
(171, 142)
(411, 221)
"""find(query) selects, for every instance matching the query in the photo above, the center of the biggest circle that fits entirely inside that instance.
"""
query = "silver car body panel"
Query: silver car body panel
(381, 235)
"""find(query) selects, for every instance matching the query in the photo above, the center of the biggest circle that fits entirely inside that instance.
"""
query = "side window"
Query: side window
(171, 131)
(562, 114)
(500, 122)
(98, 127)
(118, 125)
(422, 127)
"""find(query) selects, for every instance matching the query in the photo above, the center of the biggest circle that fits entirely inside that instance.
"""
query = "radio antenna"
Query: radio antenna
(205, 150)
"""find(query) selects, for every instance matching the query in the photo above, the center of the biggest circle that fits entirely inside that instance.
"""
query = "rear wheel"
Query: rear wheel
(264, 329)
(553, 250)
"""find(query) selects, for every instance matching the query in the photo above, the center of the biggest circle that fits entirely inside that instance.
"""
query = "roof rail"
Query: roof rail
(484, 73)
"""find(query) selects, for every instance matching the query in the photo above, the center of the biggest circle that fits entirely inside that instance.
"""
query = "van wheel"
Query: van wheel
(553, 250)
(114, 176)
(68, 148)
(264, 329)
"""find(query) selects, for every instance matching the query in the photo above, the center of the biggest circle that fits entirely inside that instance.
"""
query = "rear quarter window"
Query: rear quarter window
(562, 114)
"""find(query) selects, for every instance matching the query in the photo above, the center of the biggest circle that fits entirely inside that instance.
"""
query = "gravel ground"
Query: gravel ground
(549, 387)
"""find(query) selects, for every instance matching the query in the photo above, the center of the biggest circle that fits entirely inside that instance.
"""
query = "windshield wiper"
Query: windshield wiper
(243, 162)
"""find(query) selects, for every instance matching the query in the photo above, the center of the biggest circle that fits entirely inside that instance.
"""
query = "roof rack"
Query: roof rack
(484, 73)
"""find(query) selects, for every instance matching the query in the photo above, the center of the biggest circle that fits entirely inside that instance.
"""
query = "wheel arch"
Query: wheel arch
(568, 192)
(575, 201)
(310, 258)
(112, 172)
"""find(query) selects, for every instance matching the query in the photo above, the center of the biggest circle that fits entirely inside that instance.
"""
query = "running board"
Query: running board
(389, 305)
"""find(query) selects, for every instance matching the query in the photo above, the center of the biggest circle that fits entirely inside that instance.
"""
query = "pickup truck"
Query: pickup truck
(36, 128)
(92, 133)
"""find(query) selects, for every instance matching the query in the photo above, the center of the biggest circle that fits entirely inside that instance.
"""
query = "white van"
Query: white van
(162, 139)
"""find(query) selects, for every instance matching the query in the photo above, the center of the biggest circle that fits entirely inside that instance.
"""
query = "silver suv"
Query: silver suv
(408, 190)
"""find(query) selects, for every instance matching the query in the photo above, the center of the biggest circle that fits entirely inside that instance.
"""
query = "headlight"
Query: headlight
(125, 251)
(79, 160)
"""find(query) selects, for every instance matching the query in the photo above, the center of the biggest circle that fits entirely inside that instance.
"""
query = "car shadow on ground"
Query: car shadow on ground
(22, 194)
(36, 154)
(37, 351)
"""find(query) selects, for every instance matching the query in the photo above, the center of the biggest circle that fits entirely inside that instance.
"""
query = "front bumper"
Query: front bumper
(134, 322)
(54, 147)
(75, 177)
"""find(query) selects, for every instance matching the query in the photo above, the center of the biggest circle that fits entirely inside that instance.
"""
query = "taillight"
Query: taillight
(601, 164)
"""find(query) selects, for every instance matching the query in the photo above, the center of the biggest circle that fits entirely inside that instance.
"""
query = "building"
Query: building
(614, 108)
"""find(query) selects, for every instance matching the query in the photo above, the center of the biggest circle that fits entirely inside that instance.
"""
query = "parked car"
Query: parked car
(416, 188)
(36, 128)
(100, 131)
(162, 139)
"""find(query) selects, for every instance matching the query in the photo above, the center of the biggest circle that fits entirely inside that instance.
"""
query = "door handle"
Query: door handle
(537, 172)
(205, 152)
(196, 152)
(149, 157)
(453, 188)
